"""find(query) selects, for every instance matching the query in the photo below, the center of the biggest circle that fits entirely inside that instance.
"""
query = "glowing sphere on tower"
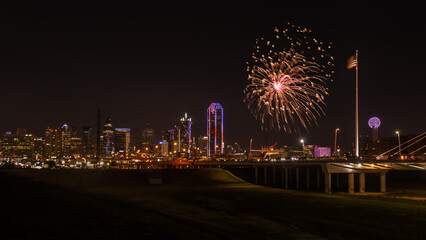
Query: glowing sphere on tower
(374, 122)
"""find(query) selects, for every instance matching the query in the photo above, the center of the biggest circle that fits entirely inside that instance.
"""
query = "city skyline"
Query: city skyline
(207, 65)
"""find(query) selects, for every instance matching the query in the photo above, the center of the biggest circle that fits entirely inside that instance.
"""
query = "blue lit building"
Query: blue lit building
(215, 144)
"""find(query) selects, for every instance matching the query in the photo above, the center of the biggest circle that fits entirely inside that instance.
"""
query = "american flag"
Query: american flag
(352, 62)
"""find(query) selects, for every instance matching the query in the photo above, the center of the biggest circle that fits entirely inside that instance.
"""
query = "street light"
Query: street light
(251, 142)
(399, 142)
(303, 147)
(303, 142)
(335, 141)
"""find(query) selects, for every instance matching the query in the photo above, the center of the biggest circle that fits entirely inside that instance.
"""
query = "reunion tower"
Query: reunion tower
(374, 124)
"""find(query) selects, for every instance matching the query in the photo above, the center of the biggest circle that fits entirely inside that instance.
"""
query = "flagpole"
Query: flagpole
(356, 107)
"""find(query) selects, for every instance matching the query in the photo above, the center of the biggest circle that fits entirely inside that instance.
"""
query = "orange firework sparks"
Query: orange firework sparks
(287, 79)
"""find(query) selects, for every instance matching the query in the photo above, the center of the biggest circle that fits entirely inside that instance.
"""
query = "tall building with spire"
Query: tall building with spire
(107, 139)
(215, 144)
(185, 134)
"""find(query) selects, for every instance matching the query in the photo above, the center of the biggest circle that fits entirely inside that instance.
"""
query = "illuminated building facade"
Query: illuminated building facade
(64, 141)
(202, 143)
(122, 141)
(17, 145)
(107, 139)
(51, 143)
(148, 138)
(185, 141)
(87, 145)
(215, 145)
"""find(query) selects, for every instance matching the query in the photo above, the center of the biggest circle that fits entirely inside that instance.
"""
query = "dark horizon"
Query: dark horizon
(144, 63)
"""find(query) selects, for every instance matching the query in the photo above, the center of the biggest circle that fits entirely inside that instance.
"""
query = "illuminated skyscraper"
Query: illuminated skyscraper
(215, 143)
(64, 141)
(148, 137)
(87, 142)
(19, 145)
(107, 147)
(185, 134)
(122, 141)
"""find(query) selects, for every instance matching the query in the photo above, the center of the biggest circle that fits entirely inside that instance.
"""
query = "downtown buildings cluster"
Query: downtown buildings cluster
(108, 142)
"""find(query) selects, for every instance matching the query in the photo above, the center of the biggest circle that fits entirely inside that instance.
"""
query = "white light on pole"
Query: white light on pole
(399, 142)
(335, 141)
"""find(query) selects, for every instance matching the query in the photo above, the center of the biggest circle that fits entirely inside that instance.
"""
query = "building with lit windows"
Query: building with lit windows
(148, 138)
(107, 139)
(185, 134)
(86, 142)
(19, 145)
(51, 143)
(215, 144)
(122, 141)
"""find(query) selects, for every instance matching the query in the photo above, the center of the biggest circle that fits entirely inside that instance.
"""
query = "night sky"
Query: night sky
(144, 63)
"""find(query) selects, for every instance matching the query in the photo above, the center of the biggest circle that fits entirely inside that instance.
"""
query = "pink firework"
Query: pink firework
(287, 84)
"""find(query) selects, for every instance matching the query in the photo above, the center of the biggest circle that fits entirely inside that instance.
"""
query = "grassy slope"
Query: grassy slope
(211, 203)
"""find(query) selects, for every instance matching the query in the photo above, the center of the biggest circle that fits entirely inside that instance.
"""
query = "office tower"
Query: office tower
(215, 144)
(185, 134)
(202, 143)
(86, 142)
(17, 145)
(164, 144)
(39, 146)
(98, 135)
(122, 141)
(148, 137)
(107, 139)
(51, 143)
(76, 148)
(65, 141)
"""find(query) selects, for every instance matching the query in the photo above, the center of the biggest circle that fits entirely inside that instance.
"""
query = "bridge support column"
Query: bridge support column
(350, 183)
(273, 175)
(297, 178)
(265, 175)
(337, 181)
(307, 177)
(286, 177)
(383, 182)
(318, 177)
(282, 174)
(362, 182)
(327, 182)
(256, 175)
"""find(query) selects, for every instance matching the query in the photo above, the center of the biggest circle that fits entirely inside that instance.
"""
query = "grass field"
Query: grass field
(193, 204)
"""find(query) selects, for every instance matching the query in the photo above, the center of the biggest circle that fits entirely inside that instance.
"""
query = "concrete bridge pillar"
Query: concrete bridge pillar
(337, 180)
(256, 176)
(273, 175)
(297, 178)
(350, 183)
(286, 177)
(307, 177)
(362, 182)
(318, 177)
(265, 175)
(327, 182)
(383, 182)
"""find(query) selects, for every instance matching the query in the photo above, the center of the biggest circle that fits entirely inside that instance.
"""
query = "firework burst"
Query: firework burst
(287, 79)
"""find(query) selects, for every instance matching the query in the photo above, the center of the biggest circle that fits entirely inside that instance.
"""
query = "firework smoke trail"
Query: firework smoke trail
(287, 79)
